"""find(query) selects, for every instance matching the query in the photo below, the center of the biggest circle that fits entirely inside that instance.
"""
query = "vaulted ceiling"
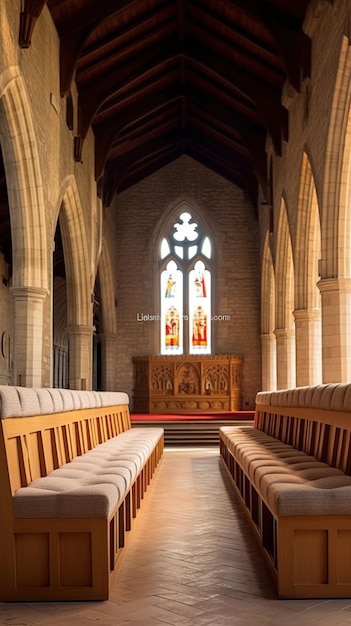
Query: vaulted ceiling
(161, 78)
(157, 79)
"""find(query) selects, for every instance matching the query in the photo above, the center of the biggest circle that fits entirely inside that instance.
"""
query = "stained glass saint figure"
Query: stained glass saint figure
(199, 327)
(172, 327)
(200, 286)
(170, 287)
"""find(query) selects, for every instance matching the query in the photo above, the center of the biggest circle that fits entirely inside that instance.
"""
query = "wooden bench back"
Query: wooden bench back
(315, 420)
(41, 429)
(34, 446)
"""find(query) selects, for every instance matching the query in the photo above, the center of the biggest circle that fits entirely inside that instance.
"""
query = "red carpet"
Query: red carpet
(177, 417)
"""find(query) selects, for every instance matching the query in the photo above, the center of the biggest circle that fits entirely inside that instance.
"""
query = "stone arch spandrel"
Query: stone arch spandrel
(9, 49)
(24, 186)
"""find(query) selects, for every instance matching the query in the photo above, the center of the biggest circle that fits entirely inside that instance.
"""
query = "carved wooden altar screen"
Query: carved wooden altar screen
(187, 384)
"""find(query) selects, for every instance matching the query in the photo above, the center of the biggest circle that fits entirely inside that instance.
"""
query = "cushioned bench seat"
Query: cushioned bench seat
(91, 485)
(290, 481)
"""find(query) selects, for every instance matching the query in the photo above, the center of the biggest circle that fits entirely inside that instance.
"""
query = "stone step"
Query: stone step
(196, 432)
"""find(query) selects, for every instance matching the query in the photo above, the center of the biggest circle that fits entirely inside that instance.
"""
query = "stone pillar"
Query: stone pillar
(286, 358)
(28, 335)
(308, 339)
(108, 362)
(269, 362)
(336, 329)
(60, 366)
(80, 342)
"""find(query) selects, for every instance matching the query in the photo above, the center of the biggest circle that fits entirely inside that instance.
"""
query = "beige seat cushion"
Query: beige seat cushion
(289, 481)
(91, 485)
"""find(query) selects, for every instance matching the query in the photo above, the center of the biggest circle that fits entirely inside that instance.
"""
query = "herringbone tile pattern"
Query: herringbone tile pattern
(192, 561)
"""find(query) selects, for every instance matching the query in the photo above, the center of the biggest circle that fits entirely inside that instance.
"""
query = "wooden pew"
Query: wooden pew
(292, 473)
(73, 474)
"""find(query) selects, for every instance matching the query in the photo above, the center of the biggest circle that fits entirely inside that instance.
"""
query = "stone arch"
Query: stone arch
(307, 251)
(24, 186)
(336, 215)
(75, 247)
(335, 266)
(108, 336)
(28, 228)
(284, 271)
(79, 286)
(268, 343)
(284, 301)
(307, 254)
(267, 289)
(107, 288)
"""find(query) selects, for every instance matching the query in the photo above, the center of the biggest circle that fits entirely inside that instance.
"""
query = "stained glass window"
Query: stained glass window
(185, 289)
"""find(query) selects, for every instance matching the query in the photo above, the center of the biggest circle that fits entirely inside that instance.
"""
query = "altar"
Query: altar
(187, 384)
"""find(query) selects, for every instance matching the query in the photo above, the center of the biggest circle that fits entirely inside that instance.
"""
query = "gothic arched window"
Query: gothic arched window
(185, 289)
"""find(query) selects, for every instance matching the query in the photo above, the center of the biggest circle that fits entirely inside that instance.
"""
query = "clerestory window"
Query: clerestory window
(185, 289)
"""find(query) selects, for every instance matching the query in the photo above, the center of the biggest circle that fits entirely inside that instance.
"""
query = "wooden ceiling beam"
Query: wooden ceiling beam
(295, 49)
(237, 47)
(106, 133)
(28, 17)
(266, 100)
(74, 33)
(292, 44)
(119, 169)
(193, 77)
(91, 99)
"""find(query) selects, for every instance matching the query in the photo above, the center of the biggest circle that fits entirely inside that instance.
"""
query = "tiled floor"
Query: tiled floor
(192, 561)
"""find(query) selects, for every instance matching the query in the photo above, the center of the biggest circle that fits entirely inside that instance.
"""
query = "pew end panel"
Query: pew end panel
(60, 559)
(313, 557)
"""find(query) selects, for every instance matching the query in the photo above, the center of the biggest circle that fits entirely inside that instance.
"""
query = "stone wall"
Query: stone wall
(139, 215)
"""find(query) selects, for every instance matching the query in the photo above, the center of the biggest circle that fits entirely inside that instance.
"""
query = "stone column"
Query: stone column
(60, 366)
(80, 342)
(28, 335)
(286, 359)
(269, 362)
(308, 339)
(336, 329)
(108, 361)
